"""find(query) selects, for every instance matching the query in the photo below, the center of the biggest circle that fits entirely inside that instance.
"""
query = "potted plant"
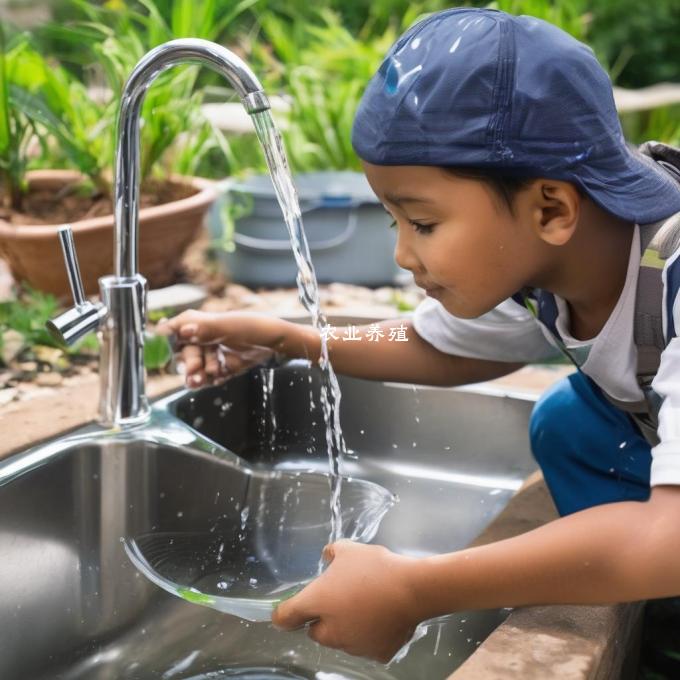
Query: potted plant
(49, 119)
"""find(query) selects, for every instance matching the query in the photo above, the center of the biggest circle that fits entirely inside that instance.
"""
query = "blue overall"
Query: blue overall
(590, 452)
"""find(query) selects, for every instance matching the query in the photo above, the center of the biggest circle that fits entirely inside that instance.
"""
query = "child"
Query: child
(494, 143)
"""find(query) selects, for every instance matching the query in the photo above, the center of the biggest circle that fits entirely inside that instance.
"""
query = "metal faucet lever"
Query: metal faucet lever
(85, 316)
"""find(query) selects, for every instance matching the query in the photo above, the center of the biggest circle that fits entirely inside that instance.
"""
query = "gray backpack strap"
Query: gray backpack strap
(658, 241)
(648, 326)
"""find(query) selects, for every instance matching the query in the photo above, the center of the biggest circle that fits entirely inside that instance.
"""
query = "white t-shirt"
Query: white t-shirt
(511, 333)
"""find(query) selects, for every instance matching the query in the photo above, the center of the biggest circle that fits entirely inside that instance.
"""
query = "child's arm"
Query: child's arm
(413, 360)
(616, 552)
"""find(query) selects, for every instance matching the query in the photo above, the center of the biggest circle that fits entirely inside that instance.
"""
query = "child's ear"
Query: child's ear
(556, 209)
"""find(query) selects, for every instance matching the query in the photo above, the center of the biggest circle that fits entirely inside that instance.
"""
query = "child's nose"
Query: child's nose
(404, 255)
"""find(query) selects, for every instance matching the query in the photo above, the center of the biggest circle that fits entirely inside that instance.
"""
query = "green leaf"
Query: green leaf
(157, 352)
(36, 108)
(5, 131)
(89, 344)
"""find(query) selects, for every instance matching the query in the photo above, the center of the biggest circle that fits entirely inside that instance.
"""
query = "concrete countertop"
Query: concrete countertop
(556, 642)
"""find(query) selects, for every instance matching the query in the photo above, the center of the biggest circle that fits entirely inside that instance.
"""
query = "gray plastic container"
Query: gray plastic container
(347, 229)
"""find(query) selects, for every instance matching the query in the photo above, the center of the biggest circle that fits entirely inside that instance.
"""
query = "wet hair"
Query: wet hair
(506, 187)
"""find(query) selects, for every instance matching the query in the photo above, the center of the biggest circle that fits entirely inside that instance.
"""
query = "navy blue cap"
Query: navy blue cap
(484, 89)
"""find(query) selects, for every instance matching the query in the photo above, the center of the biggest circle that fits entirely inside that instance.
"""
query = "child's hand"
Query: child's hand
(217, 346)
(363, 603)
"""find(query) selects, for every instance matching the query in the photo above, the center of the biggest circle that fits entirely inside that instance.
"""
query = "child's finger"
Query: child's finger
(211, 362)
(295, 612)
(166, 327)
(230, 361)
(192, 357)
(169, 326)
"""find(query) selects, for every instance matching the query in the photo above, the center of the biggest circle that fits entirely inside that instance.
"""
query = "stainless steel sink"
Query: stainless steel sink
(73, 606)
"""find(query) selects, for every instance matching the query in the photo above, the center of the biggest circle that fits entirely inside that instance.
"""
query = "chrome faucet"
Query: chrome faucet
(120, 317)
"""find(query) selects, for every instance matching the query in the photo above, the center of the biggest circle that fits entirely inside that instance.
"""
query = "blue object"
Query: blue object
(590, 451)
(481, 88)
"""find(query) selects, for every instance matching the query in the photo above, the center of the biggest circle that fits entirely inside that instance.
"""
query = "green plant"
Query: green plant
(157, 352)
(23, 333)
(232, 207)
(111, 42)
(38, 100)
(321, 68)
(27, 316)
(642, 41)
(13, 134)
(22, 326)
(661, 124)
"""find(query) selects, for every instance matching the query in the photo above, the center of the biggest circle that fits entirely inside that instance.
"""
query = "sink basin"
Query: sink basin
(73, 606)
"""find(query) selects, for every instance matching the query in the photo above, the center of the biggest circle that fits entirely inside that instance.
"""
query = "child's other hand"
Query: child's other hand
(214, 347)
(363, 603)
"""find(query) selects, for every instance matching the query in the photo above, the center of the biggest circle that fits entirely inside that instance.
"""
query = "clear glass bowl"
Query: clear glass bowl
(262, 544)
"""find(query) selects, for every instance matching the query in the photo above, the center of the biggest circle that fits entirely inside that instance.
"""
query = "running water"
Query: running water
(264, 542)
(308, 289)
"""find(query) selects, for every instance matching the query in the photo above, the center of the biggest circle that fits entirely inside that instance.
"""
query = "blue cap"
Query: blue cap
(484, 89)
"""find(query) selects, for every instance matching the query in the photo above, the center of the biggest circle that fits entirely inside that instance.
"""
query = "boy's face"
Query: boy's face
(459, 240)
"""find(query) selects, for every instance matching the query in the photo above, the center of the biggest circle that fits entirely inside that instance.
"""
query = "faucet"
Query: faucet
(120, 316)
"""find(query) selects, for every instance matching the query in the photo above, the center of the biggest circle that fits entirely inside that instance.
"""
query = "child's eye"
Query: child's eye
(423, 228)
(394, 224)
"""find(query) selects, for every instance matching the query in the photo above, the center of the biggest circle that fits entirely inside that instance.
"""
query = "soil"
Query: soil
(44, 206)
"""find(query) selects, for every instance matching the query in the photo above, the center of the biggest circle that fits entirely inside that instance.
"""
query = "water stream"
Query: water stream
(308, 289)
(270, 552)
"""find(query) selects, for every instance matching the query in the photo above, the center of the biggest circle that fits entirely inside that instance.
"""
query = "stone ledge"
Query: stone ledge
(565, 642)
(23, 424)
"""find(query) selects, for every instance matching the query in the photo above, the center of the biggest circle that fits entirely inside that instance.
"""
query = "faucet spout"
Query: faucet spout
(190, 50)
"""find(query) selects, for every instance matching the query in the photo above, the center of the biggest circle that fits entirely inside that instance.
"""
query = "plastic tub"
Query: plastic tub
(347, 229)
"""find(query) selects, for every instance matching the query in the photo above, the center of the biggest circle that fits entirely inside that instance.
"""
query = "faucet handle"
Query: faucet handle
(68, 247)
(85, 316)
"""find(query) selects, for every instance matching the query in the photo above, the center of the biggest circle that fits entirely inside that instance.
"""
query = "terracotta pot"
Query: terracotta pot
(35, 257)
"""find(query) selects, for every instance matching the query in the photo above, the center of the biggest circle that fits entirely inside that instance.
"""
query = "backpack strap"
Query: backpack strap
(658, 241)
(647, 333)
(543, 308)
